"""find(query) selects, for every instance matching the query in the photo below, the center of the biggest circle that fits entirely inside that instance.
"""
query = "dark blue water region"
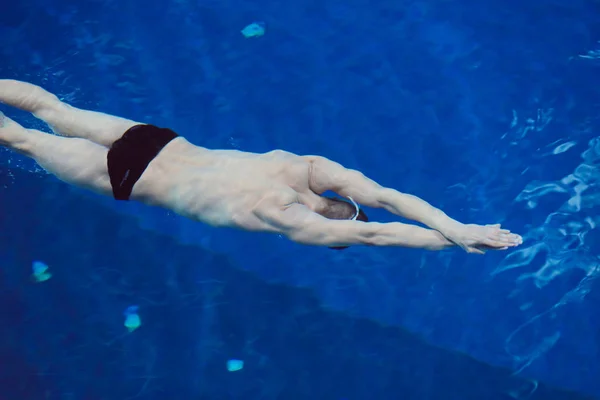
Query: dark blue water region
(64, 338)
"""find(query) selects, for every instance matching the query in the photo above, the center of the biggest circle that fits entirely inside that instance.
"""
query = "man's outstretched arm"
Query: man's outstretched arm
(328, 175)
(301, 225)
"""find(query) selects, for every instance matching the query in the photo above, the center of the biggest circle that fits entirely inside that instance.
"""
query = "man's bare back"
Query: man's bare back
(277, 192)
(224, 187)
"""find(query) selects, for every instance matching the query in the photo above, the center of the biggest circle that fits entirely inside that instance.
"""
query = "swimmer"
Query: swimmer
(277, 192)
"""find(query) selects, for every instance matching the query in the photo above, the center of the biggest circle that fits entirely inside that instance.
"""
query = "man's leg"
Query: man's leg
(75, 161)
(64, 119)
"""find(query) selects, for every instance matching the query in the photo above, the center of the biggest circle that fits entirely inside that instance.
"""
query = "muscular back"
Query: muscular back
(224, 187)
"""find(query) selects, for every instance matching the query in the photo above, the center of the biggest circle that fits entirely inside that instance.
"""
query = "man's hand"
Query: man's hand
(478, 238)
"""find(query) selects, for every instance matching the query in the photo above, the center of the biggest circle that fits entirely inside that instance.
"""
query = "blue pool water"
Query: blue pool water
(489, 110)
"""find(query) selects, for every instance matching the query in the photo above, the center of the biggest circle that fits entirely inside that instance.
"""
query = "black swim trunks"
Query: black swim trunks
(129, 156)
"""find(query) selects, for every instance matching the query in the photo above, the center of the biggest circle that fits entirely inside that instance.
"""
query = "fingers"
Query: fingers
(494, 238)
(499, 240)
(475, 250)
(514, 239)
(497, 243)
(498, 228)
(503, 236)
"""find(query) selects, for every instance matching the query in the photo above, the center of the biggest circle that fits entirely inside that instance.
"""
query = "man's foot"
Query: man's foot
(2, 130)
(25, 96)
(13, 135)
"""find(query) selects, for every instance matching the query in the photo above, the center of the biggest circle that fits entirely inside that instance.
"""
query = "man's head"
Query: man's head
(335, 208)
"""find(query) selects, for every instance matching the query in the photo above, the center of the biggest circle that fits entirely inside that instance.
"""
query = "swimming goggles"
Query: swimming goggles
(356, 207)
